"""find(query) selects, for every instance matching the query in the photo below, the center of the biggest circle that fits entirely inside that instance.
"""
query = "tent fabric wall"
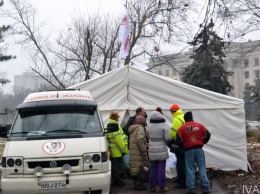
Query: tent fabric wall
(127, 88)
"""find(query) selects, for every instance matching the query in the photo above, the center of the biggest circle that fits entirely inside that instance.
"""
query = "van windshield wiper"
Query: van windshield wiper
(66, 130)
(28, 132)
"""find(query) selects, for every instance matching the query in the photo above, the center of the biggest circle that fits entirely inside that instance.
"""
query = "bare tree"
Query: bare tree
(89, 46)
(233, 18)
(155, 24)
(108, 43)
(27, 27)
(7, 108)
(3, 79)
(91, 43)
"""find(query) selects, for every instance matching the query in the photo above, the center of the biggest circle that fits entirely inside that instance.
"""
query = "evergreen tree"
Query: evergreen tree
(255, 91)
(207, 69)
(3, 57)
(255, 101)
(249, 105)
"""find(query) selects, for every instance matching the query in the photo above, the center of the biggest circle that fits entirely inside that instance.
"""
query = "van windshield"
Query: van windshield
(56, 121)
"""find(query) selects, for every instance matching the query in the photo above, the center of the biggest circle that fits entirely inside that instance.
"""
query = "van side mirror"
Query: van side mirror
(3, 131)
(112, 127)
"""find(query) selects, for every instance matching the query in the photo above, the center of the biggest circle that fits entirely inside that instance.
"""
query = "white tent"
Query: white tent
(127, 88)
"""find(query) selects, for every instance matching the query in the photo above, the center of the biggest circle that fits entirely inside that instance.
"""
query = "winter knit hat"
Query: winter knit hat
(114, 115)
(159, 110)
(139, 120)
(156, 117)
(188, 116)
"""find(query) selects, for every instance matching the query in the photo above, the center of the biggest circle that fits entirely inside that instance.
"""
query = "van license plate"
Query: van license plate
(54, 185)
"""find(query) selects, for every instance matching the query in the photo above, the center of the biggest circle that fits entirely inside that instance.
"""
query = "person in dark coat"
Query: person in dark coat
(139, 111)
(192, 136)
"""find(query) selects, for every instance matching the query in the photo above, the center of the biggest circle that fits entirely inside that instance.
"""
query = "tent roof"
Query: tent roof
(132, 87)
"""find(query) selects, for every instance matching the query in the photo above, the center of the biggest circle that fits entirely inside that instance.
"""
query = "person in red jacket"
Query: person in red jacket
(192, 136)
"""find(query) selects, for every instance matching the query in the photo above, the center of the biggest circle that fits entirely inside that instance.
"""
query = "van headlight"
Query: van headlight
(18, 162)
(92, 158)
(96, 158)
(10, 162)
(87, 158)
(14, 162)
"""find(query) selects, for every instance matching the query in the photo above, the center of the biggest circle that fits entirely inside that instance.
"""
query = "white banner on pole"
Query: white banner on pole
(124, 35)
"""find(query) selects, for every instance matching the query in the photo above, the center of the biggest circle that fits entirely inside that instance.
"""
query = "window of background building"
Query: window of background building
(257, 74)
(167, 72)
(246, 86)
(246, 63)
(160, 72)
(246, 74)
(256, 61)
(235, 62)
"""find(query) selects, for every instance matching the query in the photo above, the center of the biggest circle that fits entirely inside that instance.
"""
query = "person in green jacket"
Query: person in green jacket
(177, 122)
(117, 145)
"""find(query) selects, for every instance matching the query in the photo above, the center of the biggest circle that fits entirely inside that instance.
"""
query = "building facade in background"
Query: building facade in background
(23, 85)
(30, 81)
(242, 59)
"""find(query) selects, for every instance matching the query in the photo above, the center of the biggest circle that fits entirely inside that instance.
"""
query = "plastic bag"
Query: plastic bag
(143, 173)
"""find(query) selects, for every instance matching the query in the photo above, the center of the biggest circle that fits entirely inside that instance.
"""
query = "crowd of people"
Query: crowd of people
(147, 143)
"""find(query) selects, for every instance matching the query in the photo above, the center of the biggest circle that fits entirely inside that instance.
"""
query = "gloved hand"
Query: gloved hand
(170, 143)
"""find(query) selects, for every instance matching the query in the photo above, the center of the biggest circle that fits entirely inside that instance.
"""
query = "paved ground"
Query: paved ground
(128, 188)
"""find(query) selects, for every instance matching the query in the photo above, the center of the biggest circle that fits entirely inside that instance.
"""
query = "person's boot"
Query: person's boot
(190, 191)
(206, 190)
(180, 186)
(175, 180)
(163, 190)
(118, 183)
(138, 185)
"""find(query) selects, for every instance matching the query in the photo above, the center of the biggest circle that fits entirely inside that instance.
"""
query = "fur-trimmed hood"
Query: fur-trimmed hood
(157, 117)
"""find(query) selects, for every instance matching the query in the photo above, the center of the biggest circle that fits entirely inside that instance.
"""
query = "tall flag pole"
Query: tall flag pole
(124, 35)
